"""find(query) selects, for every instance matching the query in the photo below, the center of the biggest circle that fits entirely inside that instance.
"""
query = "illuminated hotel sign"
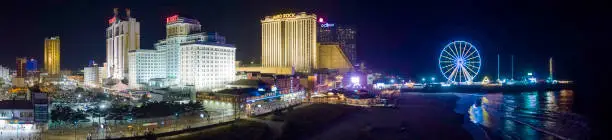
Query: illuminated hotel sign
(327, 25)
(112, 20)
(284, 16)
(172, 19)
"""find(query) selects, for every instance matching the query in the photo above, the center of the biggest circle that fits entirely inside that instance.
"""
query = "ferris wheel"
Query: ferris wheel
(459, 62)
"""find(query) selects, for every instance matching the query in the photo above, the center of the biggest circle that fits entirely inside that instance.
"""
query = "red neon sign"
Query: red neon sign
(110, 21)
(172, 19)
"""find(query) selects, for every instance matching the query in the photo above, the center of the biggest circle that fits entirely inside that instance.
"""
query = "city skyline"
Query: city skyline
(233, 69)
(418, 41)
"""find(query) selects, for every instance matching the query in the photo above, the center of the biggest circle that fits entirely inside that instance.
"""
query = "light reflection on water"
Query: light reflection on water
(525, 115)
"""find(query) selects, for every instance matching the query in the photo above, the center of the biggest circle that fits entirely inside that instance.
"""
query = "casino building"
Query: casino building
(187, 57)
(122, 36)
(290, 40)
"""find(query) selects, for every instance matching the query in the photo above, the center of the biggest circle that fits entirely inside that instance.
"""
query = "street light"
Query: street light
(433, 78)
(423, 79)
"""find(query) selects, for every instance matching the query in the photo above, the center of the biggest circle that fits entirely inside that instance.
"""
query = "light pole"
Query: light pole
(75, 128)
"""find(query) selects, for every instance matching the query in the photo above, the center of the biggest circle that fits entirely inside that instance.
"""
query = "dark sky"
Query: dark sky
(395, 37)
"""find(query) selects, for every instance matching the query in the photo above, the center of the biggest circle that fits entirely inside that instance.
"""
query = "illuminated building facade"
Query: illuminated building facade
(327, 32)
(4, 74)
(102, 73)
(91, 75)
(187, 56)
(52, 55)
(122, 36)
(17, 115)
(20, 71)
(31, 65)
(331, 56)
(289, 40)
(207, 66)
(145, 65)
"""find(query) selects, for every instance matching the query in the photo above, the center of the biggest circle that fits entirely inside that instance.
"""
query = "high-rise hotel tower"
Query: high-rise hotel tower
(186, 57)
(290, 40)
(52, 55)
(122, 36)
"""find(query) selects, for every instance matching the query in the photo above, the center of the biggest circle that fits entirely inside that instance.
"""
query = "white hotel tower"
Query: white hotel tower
(187, 57)
(122, 36)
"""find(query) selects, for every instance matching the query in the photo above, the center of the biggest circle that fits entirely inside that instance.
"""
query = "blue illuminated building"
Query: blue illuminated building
(91, 63)
(31, 65)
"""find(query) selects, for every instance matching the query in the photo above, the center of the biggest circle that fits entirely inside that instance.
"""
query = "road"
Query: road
(120, 130)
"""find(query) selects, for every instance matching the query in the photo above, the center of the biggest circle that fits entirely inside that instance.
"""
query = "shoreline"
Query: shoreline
(418, 116)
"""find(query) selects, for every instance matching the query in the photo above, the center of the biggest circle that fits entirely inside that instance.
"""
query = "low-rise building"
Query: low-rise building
(256, 96)
(17, 115)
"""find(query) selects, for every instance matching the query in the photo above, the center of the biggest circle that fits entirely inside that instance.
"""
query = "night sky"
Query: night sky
(396, 38)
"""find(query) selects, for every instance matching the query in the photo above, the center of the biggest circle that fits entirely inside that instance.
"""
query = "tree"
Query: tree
(101, 96)
(66, 114)
(79, 90)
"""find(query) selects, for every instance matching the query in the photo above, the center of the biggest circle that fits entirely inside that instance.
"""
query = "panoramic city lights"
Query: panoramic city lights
(270, 70)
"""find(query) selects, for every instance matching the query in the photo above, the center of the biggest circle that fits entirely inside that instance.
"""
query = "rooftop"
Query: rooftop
(249, 82)
(181, 19)
(241, 91)
(16, 104)
(208, 43)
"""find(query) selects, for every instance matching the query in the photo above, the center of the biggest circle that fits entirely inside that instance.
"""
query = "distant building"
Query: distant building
(289, 40)
(52, 55)
(122, 36)
(31, 65)
(342, 34)
(187, 56)
(327, 32)
(66, 73)
(5, 74)
(347, 40)
(102, 73)
(91, 75)
(20, 70)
